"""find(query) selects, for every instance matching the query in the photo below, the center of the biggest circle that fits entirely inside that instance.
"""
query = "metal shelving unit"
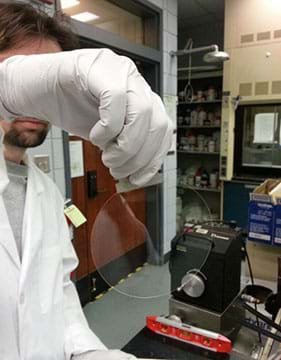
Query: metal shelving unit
(209, 161)
(199, 127)
(182, 74)
(198, 152)
(218, 101)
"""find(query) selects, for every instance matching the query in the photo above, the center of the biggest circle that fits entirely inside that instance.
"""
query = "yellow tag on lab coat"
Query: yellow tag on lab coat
(75, 215)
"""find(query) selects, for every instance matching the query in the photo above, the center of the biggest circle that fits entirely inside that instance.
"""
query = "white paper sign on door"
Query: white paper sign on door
(76, 158)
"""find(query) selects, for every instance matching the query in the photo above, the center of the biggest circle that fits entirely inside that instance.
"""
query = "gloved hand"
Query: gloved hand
(95, 94)
(104, 355)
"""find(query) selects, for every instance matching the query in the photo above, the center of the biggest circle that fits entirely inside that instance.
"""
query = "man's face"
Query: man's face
(27, 132)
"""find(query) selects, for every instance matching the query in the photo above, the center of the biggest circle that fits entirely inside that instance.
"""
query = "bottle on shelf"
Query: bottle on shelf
(194, 117)
(202, 117)
(214, 179)
(200, 95)
(211, 146)
(204, 179)
(211, 93)
(187, 118)
(210, 118)
(197, 177)
(217, 121)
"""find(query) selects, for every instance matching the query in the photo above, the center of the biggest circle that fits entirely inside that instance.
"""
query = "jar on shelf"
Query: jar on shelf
(202, 116)
(217, 120)
(214, 180)
(200, 95)
(184, 181)
(183, 140)
(205, 179)
(200, 142)
(191, 139)
(193, 117)
(187, 118)
(180, 120)
(197, 181)
(197, 177)
(179, 180)
(211, 146)
(211, 117)
(181, 96)
(190, 180)
(211, 93)
(216, 138)
(179, 224)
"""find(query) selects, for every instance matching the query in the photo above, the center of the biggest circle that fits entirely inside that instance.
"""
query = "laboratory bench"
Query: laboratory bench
(149, 345)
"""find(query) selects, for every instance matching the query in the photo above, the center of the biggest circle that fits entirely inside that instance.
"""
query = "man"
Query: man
(41, 317)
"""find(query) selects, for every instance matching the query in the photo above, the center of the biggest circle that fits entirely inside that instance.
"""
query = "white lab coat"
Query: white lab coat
(96, 94)
(40, 314)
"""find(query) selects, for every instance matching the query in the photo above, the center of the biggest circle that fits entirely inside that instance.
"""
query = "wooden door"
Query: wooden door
(90, 206)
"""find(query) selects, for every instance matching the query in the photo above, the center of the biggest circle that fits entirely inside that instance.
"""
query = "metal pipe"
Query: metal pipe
(200, 68)
(195, 50)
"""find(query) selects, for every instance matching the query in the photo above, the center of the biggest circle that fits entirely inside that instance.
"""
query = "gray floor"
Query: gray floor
(119, 314)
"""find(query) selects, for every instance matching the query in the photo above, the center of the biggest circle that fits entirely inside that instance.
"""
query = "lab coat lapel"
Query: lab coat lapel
(32, 221)
(4, 180)
(7, 239)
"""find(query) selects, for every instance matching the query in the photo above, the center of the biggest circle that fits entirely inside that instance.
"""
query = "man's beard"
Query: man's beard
(19, 138)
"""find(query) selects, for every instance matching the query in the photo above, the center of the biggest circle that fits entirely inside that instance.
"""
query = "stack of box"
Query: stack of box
(264, 217)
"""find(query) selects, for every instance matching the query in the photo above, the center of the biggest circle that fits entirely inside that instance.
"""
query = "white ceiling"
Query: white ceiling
(198, 12)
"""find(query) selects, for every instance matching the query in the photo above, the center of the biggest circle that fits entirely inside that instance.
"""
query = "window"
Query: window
(258, 140)
(264, 128)
(138, 25)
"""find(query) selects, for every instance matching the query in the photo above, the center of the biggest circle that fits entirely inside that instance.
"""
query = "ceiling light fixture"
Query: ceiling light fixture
(65, 4)
(211, 57)
(85, 16)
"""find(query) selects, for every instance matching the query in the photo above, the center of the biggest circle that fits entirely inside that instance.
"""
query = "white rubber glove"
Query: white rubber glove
(104, 355)
(95, 94)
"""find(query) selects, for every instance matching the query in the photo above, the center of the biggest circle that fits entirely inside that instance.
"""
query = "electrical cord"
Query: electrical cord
(202, 199)
(259, 330)
(262, 317)
(249, 265)
(205, 238)
(198, 271)
(253, 283)
(188, 89)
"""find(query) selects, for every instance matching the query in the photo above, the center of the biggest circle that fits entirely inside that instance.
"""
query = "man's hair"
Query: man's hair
(20, 21)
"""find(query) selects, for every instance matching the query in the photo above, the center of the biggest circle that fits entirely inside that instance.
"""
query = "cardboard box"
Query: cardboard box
(261, 218)
(277, 223)
(264, 230)
(264, 214)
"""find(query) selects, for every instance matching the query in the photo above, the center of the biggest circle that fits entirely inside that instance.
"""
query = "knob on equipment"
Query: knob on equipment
(193, 283)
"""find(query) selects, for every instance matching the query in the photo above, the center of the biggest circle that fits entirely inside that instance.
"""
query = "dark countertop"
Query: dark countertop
(147, 344)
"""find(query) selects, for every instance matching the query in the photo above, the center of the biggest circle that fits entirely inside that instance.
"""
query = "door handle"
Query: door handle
(92, 184)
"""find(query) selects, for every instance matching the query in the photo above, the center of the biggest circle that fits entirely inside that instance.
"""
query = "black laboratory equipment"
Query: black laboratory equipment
(205, 266)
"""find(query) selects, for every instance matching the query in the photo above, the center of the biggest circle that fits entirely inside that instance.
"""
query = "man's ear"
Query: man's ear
(4, 125)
